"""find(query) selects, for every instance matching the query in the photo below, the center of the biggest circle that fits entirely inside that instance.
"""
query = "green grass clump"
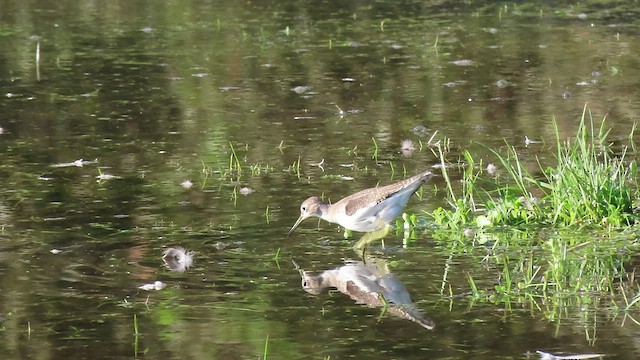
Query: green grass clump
(589, 185)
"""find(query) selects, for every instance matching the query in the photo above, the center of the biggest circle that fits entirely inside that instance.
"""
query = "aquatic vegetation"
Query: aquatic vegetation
(266, 214)
(233, 167)
(375, 150)
(135, 325)
(136, 337)
(557, 239)
(234, 162)
(266, 348)
(295, 167)
(590, 185)
(560, 276)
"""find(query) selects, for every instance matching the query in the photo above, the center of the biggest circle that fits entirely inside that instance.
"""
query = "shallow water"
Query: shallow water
(159, 93)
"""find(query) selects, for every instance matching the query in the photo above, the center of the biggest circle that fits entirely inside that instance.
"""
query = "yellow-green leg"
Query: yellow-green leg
(372, 236)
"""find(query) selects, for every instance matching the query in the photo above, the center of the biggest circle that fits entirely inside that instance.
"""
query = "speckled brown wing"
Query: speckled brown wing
(371, 197)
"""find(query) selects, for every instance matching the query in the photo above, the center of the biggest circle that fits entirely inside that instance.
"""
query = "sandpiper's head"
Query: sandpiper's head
(309, 208)
(312, 284)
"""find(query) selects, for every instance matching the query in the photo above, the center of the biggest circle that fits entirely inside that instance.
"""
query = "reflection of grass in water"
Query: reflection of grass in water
(561, 276)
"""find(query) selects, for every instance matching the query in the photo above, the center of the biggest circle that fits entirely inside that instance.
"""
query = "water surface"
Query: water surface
(233, 95)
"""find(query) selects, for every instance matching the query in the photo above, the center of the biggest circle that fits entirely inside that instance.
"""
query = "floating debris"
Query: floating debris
(220, 245)
(407, 144)
(157, 285)
(454, 83)
(77, 163)
(407, 147)
(245, 190)
(440, 166)
(55, 251)
(229, 88)
(491, 169)
(502, 83)
(105, 177)
(528, 141)
(301, 89)
(320, 164)
(342, 113)
(549, 356)
(178, 259)
(420, 130)
(59, 218)
(348, 79)
(464, 62)
(187, 184)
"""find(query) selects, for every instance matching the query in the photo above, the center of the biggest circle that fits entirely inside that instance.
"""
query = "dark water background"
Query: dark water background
(163, 92)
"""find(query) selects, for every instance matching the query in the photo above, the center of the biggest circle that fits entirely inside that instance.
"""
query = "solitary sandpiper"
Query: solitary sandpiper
(367, 210)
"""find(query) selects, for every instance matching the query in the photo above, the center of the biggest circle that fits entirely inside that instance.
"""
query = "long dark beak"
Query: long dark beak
(293, 228)
(298, 268)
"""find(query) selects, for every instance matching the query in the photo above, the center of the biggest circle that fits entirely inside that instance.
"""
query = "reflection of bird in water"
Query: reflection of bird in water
(369, 285)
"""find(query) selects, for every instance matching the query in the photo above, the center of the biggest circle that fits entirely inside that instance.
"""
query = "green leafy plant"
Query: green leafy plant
(589, 185)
